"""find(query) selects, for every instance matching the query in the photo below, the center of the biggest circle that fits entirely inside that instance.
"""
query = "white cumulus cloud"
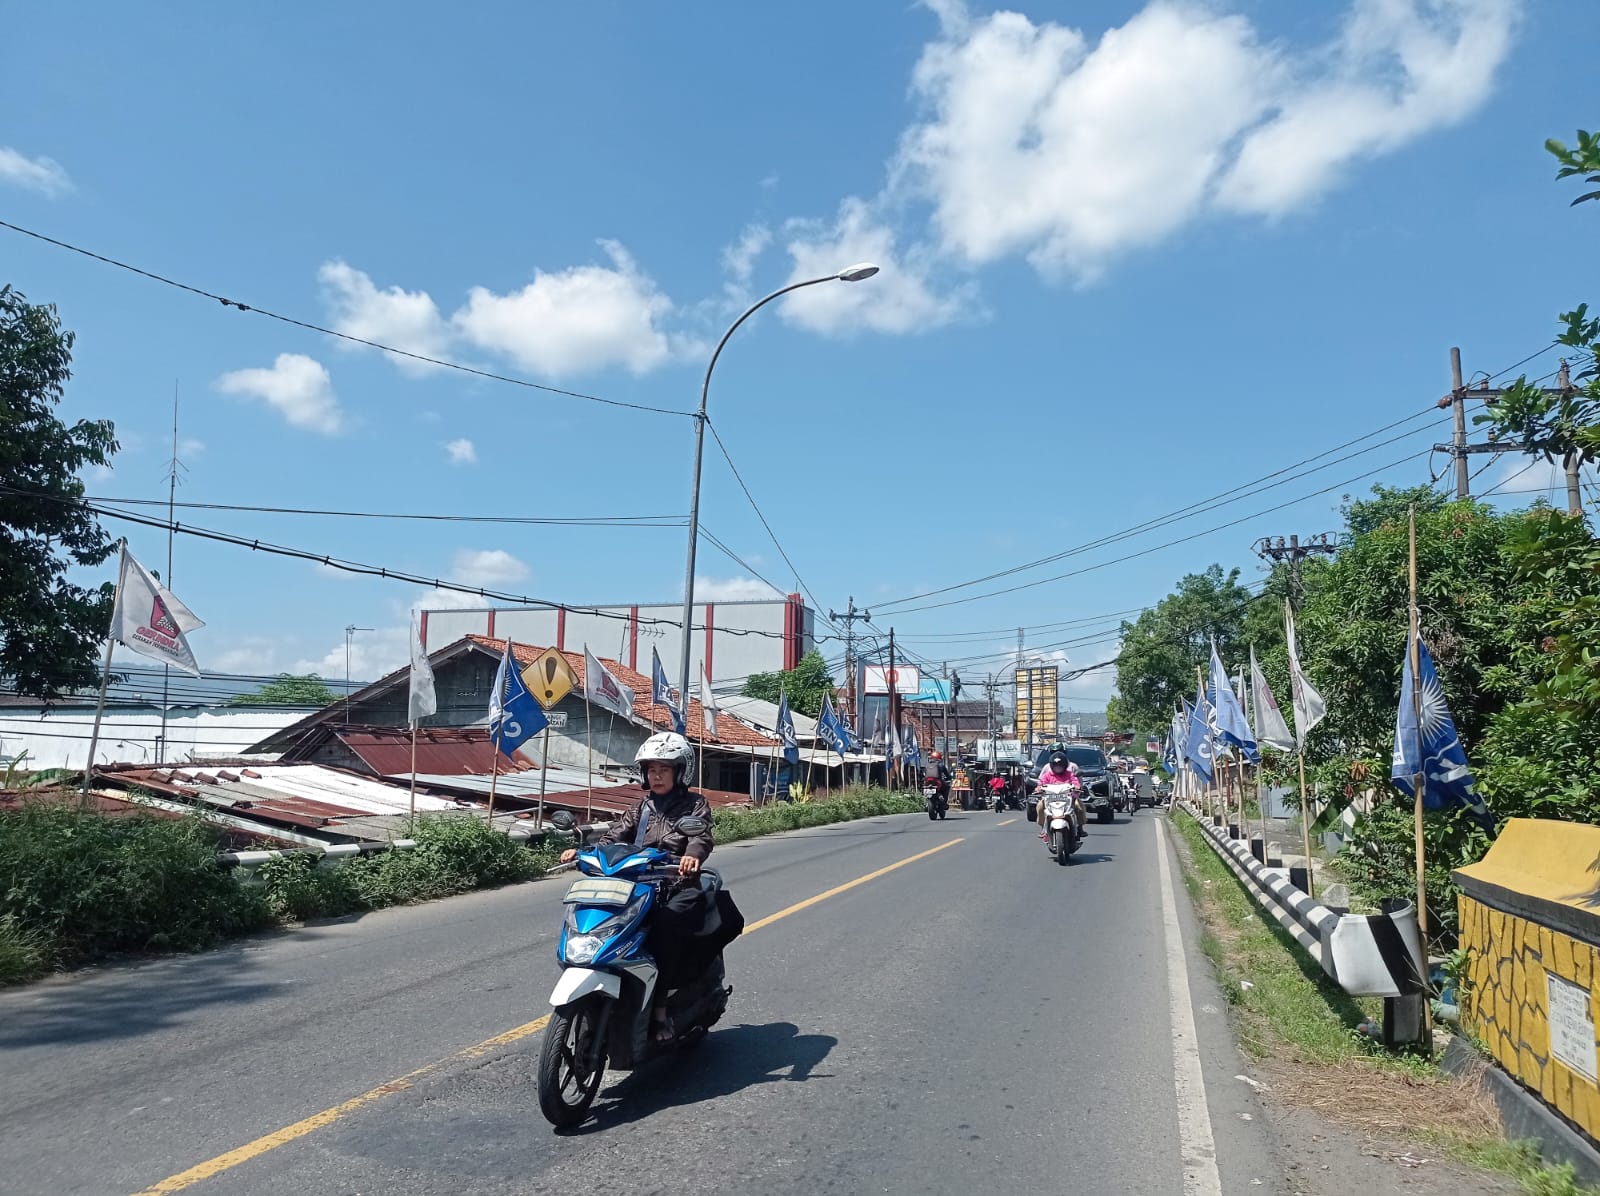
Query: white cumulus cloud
(461, 452)
(296, 386)
(44, 175)
(731, 589)
(901, 298)
(408, 320)
(1400, 69)
(1034, 139)
(576, 320)
(486, 567)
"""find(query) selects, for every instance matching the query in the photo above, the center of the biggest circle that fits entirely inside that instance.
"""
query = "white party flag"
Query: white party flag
(150, 619)
(1309, 708)
(603, 689)
(708, 703)
(424, 700)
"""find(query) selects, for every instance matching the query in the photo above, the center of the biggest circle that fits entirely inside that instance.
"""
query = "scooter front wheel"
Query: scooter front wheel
(572, 1060)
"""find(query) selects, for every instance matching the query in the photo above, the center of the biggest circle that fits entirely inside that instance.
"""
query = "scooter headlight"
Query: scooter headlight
(1057, 809)
(582, 948)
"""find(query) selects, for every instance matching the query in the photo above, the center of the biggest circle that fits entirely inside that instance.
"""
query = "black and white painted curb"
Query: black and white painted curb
(1368, 955)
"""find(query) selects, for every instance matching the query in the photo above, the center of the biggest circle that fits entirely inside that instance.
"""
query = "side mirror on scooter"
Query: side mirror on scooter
(691, 824)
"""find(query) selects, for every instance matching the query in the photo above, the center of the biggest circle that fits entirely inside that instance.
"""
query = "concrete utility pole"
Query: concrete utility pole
(849, 618)
(1294, 552)
(1460, 450)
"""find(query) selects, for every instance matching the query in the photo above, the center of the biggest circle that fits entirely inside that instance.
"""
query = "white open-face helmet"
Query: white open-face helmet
(671, 747)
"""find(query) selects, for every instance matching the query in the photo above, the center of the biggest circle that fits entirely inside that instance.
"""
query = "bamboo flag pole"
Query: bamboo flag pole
(1418, 780)
(588, 779)
(494, 771)
(105, 673)
(1305, 829)
(413, 772)
(544, 779)
(811, 761)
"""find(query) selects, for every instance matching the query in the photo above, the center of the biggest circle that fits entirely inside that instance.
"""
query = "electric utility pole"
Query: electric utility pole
(1460, 450)
(1294, 552)
(849, 618)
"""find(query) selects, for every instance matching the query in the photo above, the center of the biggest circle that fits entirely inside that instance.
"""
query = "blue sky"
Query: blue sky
(1133, 256)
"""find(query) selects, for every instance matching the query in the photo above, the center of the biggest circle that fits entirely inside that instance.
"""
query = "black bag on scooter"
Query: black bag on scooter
(1031, 810)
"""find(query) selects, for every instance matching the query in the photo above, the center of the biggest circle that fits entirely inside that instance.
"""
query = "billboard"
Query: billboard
(907, 680)
(1036, 702)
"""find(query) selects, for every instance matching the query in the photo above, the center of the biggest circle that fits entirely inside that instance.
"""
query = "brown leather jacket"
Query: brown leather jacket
(659, 832)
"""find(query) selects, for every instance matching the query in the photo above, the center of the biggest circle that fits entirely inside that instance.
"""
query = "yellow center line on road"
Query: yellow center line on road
(1007, 822)
(251, 1150)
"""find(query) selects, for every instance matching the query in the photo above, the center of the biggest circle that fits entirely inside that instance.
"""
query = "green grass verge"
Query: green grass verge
(1290, 1011)
(76, 887)
(730, 826)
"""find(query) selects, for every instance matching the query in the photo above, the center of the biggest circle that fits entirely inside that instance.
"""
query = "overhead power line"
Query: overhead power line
(559, 521)
(1167, 544)
(344, 336)
(1225, 498)
(347, 566)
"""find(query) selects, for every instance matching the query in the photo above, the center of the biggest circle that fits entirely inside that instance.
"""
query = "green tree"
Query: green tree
(806, 684)
(1161, 648)
(51, 630)
(287, 689)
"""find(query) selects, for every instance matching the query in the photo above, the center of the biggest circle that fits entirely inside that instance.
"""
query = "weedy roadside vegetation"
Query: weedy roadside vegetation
(77, 886)
(1301, 1029)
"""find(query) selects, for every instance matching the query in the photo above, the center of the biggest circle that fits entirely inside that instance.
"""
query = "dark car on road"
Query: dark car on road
(1100, 787)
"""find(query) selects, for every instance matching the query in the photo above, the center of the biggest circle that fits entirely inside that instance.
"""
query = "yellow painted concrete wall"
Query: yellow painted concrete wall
(1506, 1005)
(1507, 1001)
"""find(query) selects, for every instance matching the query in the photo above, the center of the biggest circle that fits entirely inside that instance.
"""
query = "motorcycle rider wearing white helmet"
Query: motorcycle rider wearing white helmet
(665, 763)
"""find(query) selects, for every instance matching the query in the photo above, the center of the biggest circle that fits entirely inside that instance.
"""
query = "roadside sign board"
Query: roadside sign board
(550, 678)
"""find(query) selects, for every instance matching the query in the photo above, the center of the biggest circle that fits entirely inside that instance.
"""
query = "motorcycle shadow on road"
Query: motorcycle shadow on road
(727, 1062)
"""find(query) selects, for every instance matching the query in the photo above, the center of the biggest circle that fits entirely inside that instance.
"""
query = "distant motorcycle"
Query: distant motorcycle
(933, 798)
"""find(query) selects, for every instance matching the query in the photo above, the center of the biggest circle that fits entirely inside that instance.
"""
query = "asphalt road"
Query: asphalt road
(974, 1020)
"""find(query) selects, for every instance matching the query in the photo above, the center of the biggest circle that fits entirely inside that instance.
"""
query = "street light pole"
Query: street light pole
(854, 273)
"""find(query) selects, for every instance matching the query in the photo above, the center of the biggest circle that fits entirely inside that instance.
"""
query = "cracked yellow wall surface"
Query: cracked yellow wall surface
(1549, 869)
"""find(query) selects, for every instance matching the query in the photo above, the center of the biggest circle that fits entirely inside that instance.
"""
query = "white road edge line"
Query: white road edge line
(1195, 1139)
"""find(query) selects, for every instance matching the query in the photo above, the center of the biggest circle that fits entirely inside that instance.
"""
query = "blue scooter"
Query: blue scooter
(607, 991)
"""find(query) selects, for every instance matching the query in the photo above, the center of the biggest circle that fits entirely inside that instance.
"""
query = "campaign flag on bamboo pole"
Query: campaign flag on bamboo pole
(1271, 730)
(1446, 779)
(708, 704)
(604, 690)
(424, 699)
(1231, 723)
(515, 716)
(149, 619)
(662, 693)
(830, 730)
(913, 747)
(791, 745)
(1198, 745)
(1309, 708)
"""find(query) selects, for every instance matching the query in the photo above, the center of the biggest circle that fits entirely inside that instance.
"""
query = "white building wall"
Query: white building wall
(746, 637)
(58, 736)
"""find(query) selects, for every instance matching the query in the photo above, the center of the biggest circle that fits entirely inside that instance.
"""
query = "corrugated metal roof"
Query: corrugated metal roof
(456, 751)
(523, 789)
(303, 795)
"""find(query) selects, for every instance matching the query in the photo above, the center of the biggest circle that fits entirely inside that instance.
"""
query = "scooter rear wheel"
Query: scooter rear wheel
(572, 1060)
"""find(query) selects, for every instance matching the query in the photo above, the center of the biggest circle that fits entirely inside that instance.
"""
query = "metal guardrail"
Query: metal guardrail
(1367, 955)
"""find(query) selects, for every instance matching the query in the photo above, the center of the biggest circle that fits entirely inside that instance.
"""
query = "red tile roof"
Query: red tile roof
(729, 729)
